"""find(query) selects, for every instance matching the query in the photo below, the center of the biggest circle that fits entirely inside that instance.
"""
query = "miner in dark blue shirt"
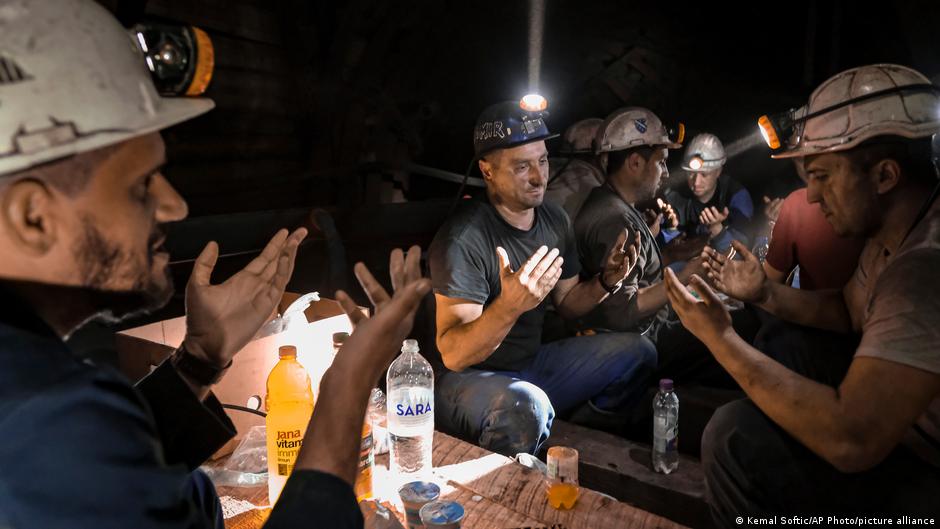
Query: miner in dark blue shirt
(83, 206)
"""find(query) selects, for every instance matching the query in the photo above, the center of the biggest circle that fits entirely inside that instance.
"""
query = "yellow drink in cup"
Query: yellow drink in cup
(562, 481)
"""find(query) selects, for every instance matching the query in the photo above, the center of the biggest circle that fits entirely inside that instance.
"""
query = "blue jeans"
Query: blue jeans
(512, 412)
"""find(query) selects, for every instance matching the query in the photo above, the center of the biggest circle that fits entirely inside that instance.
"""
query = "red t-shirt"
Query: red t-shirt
(803, 236)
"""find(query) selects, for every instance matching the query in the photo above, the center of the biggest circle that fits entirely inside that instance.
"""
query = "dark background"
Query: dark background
(328, 105)
(324, 102)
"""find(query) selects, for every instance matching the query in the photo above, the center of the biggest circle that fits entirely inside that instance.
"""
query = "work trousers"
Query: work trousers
(753, 468)
(512, 411)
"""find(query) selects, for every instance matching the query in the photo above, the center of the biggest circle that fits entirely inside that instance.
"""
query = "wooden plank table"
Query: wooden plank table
(495, 491)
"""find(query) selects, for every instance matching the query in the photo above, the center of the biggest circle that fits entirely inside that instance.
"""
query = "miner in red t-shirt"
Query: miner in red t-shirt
(802, 237)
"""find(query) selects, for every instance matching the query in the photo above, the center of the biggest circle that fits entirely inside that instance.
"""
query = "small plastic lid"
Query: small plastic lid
(340, 337)
(665, 384)
(419, 492)
(286, 350)
(441, 512)
(410, 346)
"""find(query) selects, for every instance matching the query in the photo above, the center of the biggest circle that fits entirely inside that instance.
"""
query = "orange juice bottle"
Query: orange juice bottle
(363, 487)
(289, 402)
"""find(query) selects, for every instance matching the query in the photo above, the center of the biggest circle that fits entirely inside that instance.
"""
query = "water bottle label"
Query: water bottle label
(665, 436)
(410, 409)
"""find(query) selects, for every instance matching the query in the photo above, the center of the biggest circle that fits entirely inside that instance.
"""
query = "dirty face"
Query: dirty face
(653, 172)
(847, 195)
(704, 183)
(517, 177)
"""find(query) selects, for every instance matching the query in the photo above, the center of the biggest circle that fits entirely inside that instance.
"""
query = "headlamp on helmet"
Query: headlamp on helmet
(788, 126)
(533, 103)
(180, 58)
(677, 133)
(777, 126)
(508, 124)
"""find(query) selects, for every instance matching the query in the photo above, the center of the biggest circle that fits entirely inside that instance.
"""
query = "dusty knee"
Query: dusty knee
(519, 420)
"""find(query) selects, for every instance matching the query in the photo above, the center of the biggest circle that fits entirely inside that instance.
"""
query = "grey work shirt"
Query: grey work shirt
(598, 225)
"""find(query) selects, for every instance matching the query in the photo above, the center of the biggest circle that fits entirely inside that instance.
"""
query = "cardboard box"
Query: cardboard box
(142, 348)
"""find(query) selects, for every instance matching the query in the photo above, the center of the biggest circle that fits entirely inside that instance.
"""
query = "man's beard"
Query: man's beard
(101, 262)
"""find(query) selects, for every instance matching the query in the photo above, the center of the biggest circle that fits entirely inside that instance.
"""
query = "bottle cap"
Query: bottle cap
(441, 514)
(665, 384)
(340, 337)
(409, 346)
(286, 350)
(419, 492)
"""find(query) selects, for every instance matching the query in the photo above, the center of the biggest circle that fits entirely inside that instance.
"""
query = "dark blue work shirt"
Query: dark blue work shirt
(80, 447)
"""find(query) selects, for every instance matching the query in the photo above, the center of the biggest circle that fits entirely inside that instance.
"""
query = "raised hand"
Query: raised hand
(221, 319)
(525, 288)
(706, 318)
(654, 217)
(772, 208)
(403, 270)
(714, 219)
(666, 209)
(376, 340)
(621, 259)
(653, 221)
(744, 280)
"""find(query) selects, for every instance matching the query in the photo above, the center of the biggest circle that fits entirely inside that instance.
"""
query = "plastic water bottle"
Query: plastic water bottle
(410, 413)
(289, 401)
(761, 248)
(665, 428)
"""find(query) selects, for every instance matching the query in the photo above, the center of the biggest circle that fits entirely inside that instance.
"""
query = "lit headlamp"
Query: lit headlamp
(180, 58)
(533, 103)
(775, 127)
(696, 162)
(788, 126)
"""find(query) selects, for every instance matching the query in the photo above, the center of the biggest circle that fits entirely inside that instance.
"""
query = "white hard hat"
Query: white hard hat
(73, 80)
(579, 137)
(911, 112)
(632, 127)
(704, 153)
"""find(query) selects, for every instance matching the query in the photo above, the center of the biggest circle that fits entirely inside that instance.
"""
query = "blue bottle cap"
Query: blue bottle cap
(665, 384)
(442, 512)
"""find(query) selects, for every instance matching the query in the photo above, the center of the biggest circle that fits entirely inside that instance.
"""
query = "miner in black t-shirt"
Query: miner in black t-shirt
(493, 264)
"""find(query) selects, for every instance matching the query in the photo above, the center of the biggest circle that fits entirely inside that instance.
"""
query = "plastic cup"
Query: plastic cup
(561, 483)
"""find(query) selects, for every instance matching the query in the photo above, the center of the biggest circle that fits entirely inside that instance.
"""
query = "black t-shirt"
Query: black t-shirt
(464, 265)
(601, 219)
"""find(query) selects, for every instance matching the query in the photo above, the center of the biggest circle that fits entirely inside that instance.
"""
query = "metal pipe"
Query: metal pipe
(444, 175)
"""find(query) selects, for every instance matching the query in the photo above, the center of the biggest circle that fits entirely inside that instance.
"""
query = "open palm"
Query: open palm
(744, 280)
(223, 318)
(376, 340)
